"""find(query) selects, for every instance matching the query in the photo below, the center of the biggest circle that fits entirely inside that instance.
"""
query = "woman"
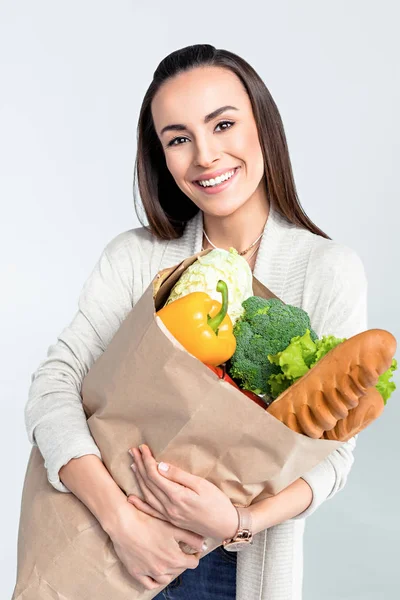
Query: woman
(213, 170)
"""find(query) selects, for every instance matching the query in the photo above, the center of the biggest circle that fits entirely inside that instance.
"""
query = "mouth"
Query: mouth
(214, 186)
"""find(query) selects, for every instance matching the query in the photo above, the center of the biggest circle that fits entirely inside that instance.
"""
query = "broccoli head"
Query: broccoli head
(266, 327)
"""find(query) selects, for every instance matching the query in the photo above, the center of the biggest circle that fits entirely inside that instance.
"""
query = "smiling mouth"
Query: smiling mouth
(216, 184)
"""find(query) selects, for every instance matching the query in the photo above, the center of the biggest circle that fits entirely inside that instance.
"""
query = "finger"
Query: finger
(148, 494)
(148, 582)
(146, 508)
(190, 538)
(191, 560)
(152, 485)
(171, 472)
(150, 482)
(164, 579)
(168, 476)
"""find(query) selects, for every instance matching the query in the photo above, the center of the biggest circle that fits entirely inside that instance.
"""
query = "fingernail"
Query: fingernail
(133, 467)
(204, 546)
(140, 448)
(131, 453)
(162, 466)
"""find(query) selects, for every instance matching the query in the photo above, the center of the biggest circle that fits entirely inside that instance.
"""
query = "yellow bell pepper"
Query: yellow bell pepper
(202, 325)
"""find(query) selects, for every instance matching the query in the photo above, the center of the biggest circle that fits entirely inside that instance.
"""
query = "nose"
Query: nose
(206, 152)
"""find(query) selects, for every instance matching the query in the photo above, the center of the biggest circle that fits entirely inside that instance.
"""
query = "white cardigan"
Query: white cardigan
(323, 277)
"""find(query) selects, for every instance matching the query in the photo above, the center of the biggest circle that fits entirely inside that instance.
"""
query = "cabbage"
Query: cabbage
(204, 273)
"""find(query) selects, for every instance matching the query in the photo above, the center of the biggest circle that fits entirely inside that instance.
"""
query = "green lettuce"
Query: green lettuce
(296, 359)
(384, 386)
(303, 353)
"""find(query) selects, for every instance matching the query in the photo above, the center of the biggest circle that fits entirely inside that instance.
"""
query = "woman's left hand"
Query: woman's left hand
(183, 499)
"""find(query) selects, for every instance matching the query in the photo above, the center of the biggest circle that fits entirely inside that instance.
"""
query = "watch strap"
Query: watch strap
(245, 521)
(244, 531)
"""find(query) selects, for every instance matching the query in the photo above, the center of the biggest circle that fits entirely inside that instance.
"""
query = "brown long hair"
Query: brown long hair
(166, 207)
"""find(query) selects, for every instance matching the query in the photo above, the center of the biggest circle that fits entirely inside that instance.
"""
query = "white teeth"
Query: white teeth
(217, 180)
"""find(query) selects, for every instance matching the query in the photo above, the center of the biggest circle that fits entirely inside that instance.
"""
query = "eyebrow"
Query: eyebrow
(207, 118)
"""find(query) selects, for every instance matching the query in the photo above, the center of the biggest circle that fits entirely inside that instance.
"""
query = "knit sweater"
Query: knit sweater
(325, 278)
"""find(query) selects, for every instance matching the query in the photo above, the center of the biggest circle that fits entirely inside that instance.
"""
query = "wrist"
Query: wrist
(88, 479)
(243, 537)
(115, 519)
(259, 515)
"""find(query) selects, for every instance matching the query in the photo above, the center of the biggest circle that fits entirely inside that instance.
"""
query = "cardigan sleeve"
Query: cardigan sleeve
(54, 417)
(343, 315)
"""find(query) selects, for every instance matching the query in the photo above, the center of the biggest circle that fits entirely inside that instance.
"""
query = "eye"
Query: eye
(228, 123)
(172, 142)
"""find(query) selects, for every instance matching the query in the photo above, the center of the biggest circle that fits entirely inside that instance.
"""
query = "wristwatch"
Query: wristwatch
(244, 535)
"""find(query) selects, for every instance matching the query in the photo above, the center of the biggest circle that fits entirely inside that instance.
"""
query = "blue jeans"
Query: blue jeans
(213, 579)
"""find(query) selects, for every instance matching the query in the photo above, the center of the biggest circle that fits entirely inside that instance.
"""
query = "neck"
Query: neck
(239, 229)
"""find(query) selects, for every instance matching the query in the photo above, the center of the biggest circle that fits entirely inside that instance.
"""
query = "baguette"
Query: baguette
(369, 408)
(335, 385)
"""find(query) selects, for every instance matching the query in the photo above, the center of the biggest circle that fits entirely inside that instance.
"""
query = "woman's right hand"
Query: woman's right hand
(149, 547)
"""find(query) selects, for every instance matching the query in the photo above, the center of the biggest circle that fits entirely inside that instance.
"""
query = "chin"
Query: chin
(220, 209)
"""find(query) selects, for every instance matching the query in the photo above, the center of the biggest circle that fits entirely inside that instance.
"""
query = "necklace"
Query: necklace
(247, 258)
(240, 253)
(251, 255)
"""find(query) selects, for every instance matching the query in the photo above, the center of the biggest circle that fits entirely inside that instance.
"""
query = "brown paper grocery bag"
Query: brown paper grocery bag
(147, 388)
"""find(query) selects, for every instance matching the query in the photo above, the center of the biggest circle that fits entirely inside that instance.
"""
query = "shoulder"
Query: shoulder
(133, 257)
(131, 239)
(133, 247)
(313, 267)
(325, 254)
(335, 290)
(335, 263)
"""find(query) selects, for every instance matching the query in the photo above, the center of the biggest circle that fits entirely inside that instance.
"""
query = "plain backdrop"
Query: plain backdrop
(73, 75)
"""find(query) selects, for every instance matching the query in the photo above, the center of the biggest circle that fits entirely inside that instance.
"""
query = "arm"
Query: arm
(54, 416)
(89, 480)
(138, 540)
(344, 315)
(291, 501)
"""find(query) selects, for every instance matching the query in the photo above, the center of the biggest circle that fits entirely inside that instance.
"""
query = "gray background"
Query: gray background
(73, 75)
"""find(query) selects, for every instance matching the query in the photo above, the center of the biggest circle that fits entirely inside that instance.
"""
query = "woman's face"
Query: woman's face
(226, 142)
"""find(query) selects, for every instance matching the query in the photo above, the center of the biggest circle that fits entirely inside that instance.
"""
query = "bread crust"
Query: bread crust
(369, 408)
(323, 398)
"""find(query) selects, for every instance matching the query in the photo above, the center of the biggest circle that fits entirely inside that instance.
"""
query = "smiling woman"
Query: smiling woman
(213, 170)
